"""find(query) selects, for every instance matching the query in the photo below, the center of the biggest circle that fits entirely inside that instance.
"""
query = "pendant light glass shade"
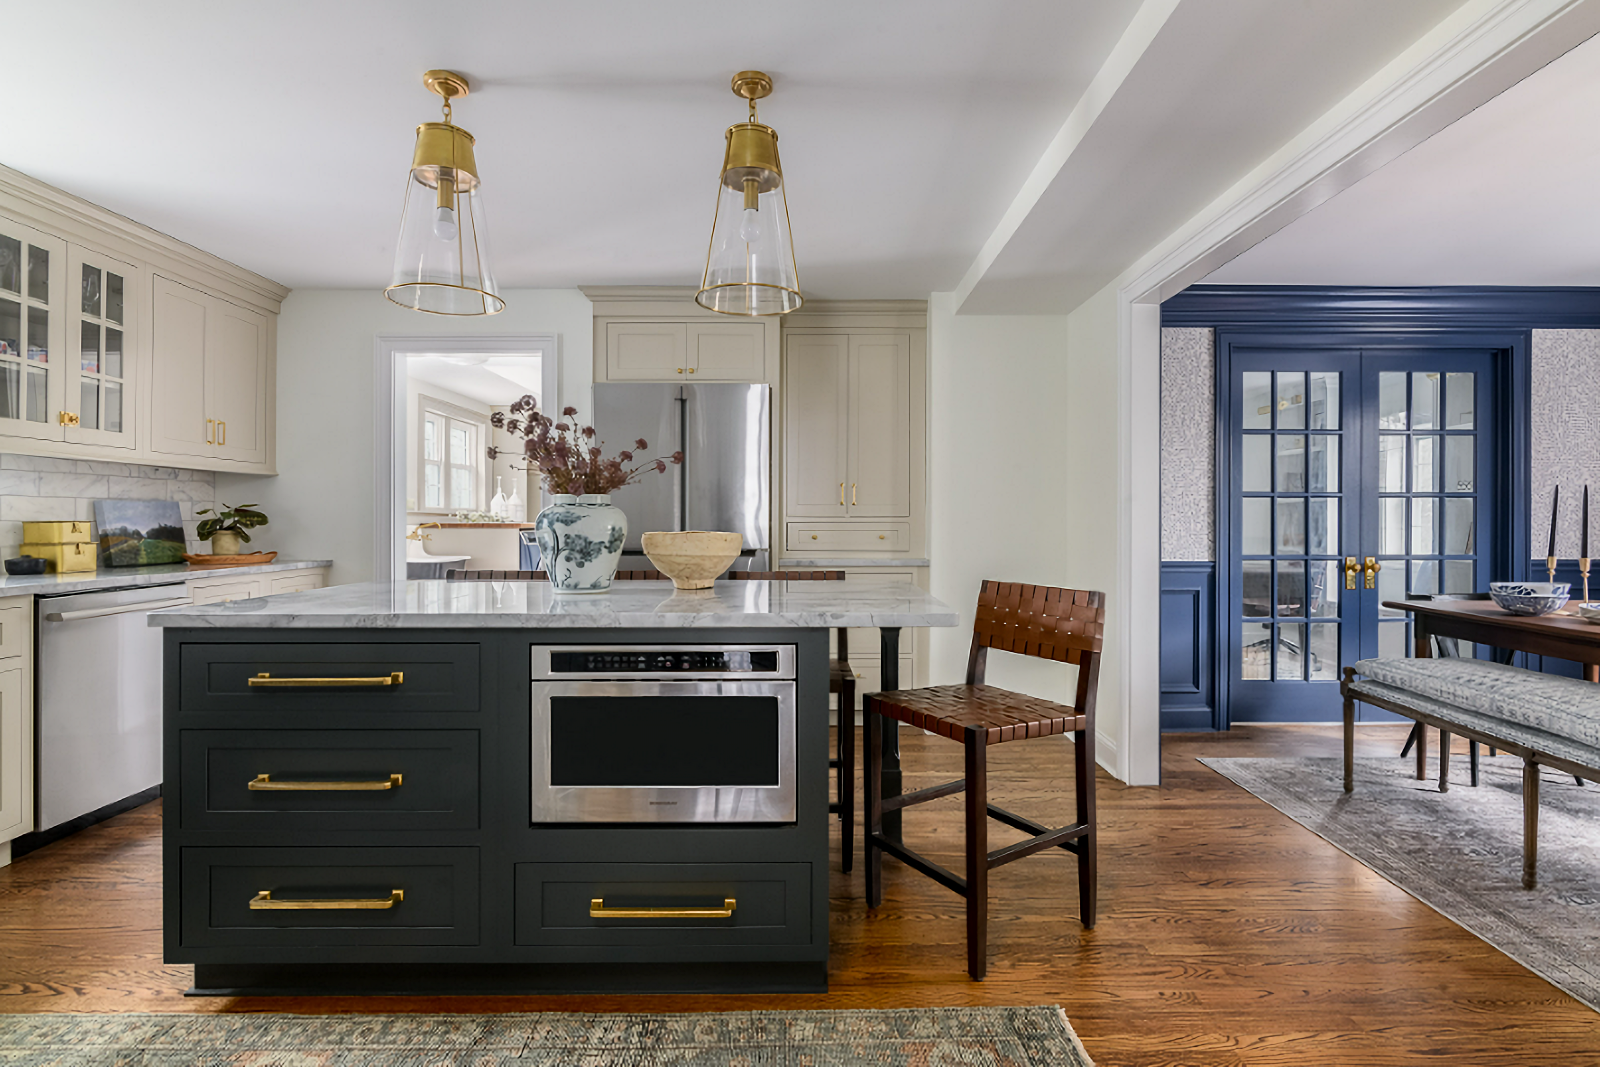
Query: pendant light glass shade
(441, 261)
(750, 268)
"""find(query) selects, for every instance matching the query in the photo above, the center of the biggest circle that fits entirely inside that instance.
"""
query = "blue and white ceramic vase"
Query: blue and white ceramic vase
(580, 541)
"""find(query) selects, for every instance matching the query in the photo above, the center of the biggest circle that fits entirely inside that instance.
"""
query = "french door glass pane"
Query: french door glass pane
(1257, 463)
(1323, 388)
(1458, 463)
(1425, 400)
(1255, 539)
(1425, 464)
(1458, 576)
(1322, 526)
(1424, 576)
(1255, 651)
(1391, 463)
(1322, 588)
(1292, 588)
(1291, 463)
(1291, 526)
(10, 264)
(1258, 400)
(1324, 652)
(1458, 401)
(1256, 575)
(1323, 460)
(1392, 640)
(1291, 645)
(1424, 529)
(1291, 400)
(1391, 584)
(1458, 523)
(1392, 400)
(1392, 526)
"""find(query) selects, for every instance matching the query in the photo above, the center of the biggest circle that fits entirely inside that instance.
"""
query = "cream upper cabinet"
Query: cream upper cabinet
(100, 366)
(879, 469)
(209, 394)
(33, 329)
(816, 418)
(685, 351)
(847, 431)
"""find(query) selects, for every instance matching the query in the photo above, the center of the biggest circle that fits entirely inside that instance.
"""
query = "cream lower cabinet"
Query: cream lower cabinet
(847, 425)
(209, 396)
(16, 721)
(224, 588)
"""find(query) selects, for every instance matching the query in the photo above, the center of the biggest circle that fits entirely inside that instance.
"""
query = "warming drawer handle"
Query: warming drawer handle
(263, 901)
(121, 609)
(396, 678)
(598, 910)
(264, 781)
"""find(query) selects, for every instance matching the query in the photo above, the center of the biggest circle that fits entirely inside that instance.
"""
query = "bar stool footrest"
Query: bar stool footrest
(918, 862)
(922, 796)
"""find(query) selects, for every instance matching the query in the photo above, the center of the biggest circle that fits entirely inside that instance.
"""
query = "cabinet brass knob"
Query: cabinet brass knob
(680, 370)
(68, 418)
(691, 370)
(813, 537)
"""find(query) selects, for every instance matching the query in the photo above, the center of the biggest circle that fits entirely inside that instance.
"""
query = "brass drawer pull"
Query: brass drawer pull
(598, 910)
(263, 901)
(264, 781)
(259, 680)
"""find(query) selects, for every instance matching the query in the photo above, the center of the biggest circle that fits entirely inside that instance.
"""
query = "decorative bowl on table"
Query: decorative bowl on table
(1589, 612)
(1530, 598)
(692, 558)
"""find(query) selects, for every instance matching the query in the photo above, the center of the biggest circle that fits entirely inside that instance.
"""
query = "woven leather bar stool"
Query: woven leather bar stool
(1031, 620)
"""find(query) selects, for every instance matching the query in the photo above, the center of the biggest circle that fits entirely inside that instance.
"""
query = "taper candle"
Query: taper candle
(1555, 511)
(1584, 551)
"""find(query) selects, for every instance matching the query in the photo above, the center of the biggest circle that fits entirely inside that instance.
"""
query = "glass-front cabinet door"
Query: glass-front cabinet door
(33, 327)
(99, 387)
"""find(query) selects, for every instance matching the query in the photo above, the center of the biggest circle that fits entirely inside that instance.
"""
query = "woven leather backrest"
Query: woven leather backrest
(1040, 620)
(494, 576)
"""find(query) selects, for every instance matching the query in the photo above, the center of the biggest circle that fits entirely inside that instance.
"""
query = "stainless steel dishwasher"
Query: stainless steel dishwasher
(98, 699)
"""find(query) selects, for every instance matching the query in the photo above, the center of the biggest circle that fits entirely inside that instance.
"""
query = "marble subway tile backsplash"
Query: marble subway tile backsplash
(43, 488)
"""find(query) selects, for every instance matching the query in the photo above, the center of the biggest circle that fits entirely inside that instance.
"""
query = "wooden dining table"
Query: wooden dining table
(1564, 635)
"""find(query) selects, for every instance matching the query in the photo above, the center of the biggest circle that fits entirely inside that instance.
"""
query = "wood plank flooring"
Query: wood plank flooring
(1228, 934)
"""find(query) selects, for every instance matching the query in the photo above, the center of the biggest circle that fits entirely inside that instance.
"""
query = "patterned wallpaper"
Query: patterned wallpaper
(1565, 431)
(1188, 444)
(1566, 436)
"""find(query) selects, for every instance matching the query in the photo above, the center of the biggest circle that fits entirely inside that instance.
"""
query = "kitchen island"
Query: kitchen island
(432, 787)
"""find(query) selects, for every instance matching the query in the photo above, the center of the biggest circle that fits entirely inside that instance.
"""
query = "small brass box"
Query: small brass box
(76, 556)
(57, 533)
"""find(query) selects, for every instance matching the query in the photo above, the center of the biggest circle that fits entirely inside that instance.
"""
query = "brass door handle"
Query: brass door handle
(852, 494)
(1352, 567)
(598, 910)
(264, 680)
(1372, 568)
(265, 782)
(263, 901)
(211, 431)
(222, 433)
(841, 494)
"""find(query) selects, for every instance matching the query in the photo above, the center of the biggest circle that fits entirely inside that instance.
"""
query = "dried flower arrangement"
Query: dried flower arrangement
(568, 456)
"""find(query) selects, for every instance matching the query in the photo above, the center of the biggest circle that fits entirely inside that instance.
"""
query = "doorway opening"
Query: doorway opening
(445, 504)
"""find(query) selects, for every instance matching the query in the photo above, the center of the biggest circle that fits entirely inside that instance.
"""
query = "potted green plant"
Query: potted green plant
(226, 528)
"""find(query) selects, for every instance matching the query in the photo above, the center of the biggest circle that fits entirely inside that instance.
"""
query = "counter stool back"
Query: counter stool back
(1065, 625)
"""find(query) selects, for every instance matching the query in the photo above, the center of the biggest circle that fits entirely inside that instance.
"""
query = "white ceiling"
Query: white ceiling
(1505, 196)
(278, 135)
(1222, 85)
(496, 381)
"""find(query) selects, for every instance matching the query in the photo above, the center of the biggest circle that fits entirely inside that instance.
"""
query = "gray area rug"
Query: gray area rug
(1461, 852)
(917, 1037)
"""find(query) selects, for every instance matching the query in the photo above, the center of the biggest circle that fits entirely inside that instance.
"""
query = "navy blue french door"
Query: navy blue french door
(1354, 476)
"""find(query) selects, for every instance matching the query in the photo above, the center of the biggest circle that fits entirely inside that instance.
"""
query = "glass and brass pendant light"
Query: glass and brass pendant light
(441, 262)
(750, 266)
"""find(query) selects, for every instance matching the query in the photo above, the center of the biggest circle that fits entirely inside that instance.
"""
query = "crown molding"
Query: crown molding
(56, 209)
(1385, 308)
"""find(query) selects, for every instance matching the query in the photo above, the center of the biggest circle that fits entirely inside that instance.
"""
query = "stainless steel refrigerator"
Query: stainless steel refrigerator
(725, 436)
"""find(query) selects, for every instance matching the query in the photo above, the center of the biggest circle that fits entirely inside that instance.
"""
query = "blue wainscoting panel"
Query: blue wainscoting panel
(1188, 650)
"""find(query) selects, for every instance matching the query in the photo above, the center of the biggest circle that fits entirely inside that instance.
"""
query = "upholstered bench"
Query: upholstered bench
(1547, 720)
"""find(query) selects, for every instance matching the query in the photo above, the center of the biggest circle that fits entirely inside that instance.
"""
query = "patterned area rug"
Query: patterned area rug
(1460, 852)
(921, 1037)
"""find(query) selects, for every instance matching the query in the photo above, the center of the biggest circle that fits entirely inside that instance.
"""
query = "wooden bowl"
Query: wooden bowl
(249, 559)
(692, 558)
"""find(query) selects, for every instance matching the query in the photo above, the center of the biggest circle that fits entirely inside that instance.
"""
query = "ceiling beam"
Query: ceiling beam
(1135, 40)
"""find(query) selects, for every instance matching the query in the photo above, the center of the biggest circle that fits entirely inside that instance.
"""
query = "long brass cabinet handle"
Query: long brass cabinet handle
(265, 782)
(211, 431)
(222, 433)
(841, 494)
(263, 901)
(852, 494)
(598, 910)
(268, 681)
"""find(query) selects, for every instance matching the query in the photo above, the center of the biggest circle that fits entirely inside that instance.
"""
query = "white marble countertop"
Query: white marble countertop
(129, 577)
(835, 564)
(535, 605)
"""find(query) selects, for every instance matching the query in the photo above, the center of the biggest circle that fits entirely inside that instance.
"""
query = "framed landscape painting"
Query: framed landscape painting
(137, 533)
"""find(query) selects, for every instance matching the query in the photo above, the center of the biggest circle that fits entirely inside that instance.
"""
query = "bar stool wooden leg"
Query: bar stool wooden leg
(847, 775)
(977, 745)
(872, 724)
(1088, 845)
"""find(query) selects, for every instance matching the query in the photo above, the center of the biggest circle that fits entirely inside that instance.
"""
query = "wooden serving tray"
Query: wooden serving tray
(249, 559)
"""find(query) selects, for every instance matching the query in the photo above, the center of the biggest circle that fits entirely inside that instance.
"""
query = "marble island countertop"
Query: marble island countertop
(535, 605)
(129, 577)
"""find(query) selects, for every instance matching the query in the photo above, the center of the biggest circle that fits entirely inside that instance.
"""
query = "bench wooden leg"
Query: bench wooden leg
(1422, 754)
(1472, 761)
(976, 744)
(1530, 824)
(1411, 739)
(1350, 743)
(1444, 761)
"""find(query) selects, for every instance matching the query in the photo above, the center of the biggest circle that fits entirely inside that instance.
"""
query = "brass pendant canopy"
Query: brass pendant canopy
(750, 267)
(441, 262)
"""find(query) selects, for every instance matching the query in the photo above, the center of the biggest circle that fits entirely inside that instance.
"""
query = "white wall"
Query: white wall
(998, 462)
(322, 498)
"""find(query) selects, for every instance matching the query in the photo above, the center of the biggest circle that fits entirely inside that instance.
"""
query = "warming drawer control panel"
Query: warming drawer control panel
(666, 661)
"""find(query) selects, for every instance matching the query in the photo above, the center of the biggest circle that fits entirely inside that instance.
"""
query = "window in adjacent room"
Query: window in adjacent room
(452, 457)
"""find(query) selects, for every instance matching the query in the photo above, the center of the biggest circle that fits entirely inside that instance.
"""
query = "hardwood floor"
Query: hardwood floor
(1227, 935)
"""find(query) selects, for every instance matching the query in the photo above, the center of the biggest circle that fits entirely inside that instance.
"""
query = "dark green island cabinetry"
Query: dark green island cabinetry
(350, 782)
